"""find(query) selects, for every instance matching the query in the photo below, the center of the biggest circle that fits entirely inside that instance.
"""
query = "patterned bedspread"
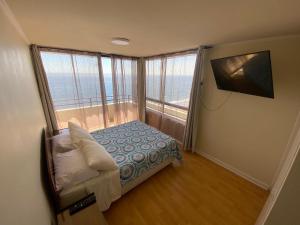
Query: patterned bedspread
(136, 147)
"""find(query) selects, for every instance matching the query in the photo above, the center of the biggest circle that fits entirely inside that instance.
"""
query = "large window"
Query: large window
(88, 94)
(73, 80)
(168, 84)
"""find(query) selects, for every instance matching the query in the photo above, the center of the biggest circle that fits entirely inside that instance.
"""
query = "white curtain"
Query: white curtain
(154, 84)
(74, 83)
(93, 91)
(124, 80)
(168, 83)
(97, 91)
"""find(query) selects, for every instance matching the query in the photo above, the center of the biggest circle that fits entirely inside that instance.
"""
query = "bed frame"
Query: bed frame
(54, 194)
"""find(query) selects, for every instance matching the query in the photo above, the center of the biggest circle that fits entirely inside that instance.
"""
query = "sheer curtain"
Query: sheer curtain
(168, 85)
(74, 81)
(154, 84)
(98, 91)
(124, 80)
(178, 83)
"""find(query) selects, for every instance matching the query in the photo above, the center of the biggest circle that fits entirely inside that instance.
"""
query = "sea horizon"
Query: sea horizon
(63, 89)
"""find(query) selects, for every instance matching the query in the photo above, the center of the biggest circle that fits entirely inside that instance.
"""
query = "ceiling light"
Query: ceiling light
(120, 41)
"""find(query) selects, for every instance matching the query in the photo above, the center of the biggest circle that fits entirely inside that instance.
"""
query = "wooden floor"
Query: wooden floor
(197, 192)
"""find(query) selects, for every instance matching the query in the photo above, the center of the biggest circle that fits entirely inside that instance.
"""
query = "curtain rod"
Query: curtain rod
(192, 50)
(187, 51)
(69, 50)
(86, 52)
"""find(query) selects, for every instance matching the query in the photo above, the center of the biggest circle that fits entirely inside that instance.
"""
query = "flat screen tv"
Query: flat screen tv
(249, 73)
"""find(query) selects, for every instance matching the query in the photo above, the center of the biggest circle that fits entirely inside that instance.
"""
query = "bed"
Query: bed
(139, 151)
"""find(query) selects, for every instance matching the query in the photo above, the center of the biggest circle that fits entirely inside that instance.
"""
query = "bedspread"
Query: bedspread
(136, 147)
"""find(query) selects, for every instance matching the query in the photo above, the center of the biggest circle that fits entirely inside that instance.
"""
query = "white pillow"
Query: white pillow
(77, 134)
(70, 169)
(96, 156)
(62, 143)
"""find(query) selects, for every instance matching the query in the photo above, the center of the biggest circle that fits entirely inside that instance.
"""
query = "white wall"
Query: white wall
(286, 208)
(22, 200)
(247, 132)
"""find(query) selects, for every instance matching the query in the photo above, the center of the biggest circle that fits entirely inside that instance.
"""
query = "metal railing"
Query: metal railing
(167, 103)
(60, 104)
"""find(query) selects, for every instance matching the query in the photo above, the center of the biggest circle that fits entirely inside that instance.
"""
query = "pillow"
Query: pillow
(62, 143)
(70, 169)
(77, 134)
(96, 156)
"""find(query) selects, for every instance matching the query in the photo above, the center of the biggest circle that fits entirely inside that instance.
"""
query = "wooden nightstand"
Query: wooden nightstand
(88, 216)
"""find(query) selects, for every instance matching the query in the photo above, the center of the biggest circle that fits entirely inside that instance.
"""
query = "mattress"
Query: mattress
(137, 148)
(106, 186)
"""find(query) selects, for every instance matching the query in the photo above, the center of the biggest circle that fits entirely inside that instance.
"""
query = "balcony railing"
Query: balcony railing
(92, 117)
(171, 109)
(70, 110)
(64, 104)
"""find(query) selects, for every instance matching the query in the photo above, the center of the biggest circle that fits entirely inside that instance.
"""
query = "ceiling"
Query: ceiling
(153, 26)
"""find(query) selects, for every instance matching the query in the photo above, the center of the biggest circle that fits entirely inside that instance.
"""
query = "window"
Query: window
(91, 96)
(120, 77)
(153, 79)
(179, 78)
(168, 84)
(66, 73)
(124, 77)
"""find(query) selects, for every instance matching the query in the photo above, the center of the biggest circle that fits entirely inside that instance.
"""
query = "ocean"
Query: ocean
(64, 92)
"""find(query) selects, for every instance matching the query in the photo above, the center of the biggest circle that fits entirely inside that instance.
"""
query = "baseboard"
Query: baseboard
(235, 171)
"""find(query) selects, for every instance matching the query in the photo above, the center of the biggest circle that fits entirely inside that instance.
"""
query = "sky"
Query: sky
(57, 63)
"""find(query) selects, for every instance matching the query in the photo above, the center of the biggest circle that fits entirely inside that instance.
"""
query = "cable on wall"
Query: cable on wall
(202, 90)
(217, 107)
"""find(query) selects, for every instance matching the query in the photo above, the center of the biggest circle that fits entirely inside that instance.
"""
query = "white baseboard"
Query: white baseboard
(235, 171)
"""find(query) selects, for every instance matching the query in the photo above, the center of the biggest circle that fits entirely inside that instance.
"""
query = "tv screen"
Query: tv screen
(250, 73)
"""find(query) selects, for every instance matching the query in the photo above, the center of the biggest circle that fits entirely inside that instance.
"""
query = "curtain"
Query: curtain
(103, 92)
(168, 84)
(76, 89)
(154, 84)
(124, 80)
(179, 77)
(191, 130)
(93, 91)
(141, 89)
(44, 91)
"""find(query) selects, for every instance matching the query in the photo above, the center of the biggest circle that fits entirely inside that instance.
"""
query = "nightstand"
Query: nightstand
(90, 215)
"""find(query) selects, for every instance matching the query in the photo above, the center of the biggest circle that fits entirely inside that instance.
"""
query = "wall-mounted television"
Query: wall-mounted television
(249, 73)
